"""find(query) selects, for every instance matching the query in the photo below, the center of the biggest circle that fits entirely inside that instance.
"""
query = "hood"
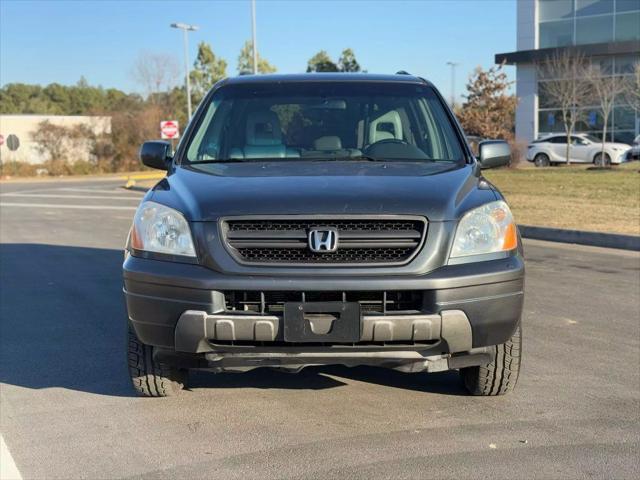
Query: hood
(209, 191)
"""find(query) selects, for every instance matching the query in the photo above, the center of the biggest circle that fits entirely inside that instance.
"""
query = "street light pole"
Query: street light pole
(185, 29)
(453, 66)
(253, 36)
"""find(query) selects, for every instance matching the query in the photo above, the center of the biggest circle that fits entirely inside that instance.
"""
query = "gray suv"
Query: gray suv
(324, 219)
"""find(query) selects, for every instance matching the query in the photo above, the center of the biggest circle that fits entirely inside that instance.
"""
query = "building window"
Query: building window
(556, 34)
(594, 29)
(554, 9)
(593, 7)
(627, 5)
(628, 26)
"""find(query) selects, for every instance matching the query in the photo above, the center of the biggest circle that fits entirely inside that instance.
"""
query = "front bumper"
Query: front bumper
(181, 308)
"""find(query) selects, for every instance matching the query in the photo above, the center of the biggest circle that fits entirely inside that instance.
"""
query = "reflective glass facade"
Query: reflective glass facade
(563, 23)
(624, 122)
(580, 22)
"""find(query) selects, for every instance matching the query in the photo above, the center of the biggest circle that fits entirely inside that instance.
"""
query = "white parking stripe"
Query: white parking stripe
(115, 190)
(57, 206)
(8, 468)
(47, 195)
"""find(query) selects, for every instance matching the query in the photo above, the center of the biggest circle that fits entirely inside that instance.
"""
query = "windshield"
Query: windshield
(325, 121)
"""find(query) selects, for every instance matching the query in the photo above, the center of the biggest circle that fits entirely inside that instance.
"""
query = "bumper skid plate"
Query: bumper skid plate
(197, 330)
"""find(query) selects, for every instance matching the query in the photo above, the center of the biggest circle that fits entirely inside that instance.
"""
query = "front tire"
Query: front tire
(542, 160)
(597, 160)
(501, 375)
(150, 378)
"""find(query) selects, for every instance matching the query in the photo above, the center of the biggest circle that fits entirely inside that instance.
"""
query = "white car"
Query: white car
(584, 149)
(635, 148)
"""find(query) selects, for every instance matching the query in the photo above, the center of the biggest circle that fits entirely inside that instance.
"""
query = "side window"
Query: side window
(562, 140)
(577, 141)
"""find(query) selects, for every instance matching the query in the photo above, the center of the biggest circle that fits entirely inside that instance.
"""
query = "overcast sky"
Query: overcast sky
(60, 41)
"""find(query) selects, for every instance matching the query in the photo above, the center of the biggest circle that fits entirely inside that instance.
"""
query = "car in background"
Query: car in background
(585, 148)
(635, 149)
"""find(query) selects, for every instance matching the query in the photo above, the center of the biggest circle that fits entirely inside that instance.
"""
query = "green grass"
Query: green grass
(573, 197)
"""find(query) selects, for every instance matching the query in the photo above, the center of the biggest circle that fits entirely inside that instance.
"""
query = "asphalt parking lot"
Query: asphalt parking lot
(67, 409)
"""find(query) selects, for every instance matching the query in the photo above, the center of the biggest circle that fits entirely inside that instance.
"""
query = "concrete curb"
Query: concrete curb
(596, 239)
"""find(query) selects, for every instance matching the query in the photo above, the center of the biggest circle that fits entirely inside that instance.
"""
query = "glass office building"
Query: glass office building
(607, 32)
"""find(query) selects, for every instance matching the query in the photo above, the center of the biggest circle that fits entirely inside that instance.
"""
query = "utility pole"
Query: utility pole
(453, 66)
(185, 29)
(253, 36)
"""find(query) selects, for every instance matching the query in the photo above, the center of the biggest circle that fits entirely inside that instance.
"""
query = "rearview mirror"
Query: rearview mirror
(156, 154)
(494, 153)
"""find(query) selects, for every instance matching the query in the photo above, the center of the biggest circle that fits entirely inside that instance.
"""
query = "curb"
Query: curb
(596, 239)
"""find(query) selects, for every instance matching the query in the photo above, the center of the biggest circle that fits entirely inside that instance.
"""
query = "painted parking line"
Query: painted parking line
(59, 206)
(115, 190)
(8, 468)
(51, 195)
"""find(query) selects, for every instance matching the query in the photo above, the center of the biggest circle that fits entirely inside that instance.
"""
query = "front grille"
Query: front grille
(272, 302)
(360, 241)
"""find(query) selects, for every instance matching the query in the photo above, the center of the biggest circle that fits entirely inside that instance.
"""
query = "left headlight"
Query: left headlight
(160, 229)
(486, 229)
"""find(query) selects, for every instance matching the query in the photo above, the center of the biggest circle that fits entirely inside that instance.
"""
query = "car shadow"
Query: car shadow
(62, 324)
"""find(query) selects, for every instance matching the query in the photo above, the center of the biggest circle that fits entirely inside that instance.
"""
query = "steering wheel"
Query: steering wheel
(390, 140)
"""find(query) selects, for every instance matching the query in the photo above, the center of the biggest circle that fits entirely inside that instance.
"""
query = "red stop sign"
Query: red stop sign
(169, 129)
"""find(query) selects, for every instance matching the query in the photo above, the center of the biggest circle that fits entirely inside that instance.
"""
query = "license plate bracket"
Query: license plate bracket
(332, 322)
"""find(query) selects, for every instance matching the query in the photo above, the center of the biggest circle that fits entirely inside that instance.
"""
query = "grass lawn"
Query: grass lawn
(573, 197)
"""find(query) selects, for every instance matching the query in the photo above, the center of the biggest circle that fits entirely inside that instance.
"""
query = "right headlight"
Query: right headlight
(486, 229)
(160, 229)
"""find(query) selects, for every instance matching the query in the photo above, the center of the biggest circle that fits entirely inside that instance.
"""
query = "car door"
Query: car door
(559, 148)
(580, 150)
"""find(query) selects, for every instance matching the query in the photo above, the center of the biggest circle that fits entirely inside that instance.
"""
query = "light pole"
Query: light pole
(253, 36)
(185, 29)
(453, 66)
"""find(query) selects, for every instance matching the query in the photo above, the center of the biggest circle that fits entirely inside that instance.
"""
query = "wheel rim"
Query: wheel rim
(542, 160)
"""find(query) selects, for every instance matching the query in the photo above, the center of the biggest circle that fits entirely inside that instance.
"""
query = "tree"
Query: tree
(568, 87)
(155, 72)
(489, 110)
(245, 61)
(207, 70)
(348, 62)
(321, 62)
(632, 88)
(604, 92)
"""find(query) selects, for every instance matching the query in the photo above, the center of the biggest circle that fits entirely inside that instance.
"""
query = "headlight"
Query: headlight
(161, 229)
(486, 229)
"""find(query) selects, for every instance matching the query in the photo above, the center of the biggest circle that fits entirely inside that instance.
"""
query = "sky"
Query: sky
(61, 40)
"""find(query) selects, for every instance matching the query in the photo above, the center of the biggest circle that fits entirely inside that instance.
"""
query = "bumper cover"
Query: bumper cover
(160, 295)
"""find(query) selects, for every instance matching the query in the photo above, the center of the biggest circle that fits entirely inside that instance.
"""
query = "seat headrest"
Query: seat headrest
(263, 128)
(386, 126)
(328, 143)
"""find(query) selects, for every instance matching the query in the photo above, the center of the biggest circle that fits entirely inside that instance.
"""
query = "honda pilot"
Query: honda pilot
(321, 219)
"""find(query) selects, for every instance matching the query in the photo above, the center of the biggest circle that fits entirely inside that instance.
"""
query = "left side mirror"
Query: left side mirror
(494, 153)
(156, 154)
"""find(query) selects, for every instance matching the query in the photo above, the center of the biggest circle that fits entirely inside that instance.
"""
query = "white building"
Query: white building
(23, 127)
(606, 31)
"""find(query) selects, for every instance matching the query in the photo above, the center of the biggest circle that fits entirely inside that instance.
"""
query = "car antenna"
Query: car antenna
(402, 72)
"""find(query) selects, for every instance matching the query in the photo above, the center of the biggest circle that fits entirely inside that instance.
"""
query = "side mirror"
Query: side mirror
(494, 153)
(155, 154)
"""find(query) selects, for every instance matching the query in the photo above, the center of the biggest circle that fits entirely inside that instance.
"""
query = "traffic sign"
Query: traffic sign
(13, 142)
(169, 130)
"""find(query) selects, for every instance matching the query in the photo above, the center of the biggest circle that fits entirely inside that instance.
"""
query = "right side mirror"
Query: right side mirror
(156, 154)
(494, 153)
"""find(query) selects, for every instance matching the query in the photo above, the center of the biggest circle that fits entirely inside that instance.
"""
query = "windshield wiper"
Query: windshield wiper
(226, 160)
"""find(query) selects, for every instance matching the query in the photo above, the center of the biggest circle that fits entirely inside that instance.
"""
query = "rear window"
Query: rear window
(325, 121)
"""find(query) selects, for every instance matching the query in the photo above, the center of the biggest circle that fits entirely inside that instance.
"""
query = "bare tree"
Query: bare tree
(567, 87)
(604, 91)
(155, 72)
(632, 88)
